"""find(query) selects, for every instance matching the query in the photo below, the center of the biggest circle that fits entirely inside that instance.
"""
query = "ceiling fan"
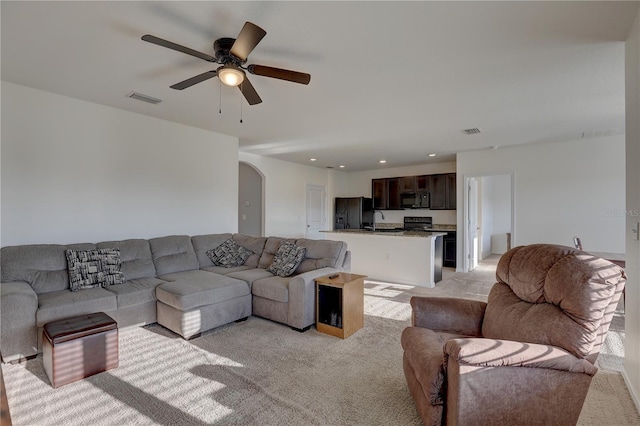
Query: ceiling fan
(232, 55)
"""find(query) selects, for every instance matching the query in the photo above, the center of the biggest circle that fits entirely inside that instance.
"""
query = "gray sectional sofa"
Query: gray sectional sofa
(170, 280)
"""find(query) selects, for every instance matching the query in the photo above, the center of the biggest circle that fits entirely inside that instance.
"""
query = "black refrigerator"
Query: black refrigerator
(353, 212)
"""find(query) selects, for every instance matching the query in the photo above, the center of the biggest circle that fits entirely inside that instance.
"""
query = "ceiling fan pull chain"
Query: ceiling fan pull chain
(219, 97)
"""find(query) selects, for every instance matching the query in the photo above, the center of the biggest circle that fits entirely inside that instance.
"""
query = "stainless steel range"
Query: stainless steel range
(418, 223)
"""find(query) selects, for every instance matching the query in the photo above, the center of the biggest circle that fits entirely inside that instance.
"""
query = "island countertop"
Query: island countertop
(388, 233)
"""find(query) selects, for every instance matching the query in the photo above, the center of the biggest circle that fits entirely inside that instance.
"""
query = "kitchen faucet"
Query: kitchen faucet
(373, 226)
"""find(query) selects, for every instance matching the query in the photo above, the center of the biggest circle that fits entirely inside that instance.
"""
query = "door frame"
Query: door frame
(464, 238)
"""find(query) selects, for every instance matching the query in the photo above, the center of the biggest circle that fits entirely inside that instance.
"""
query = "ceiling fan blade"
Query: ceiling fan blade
(179, 48)
(247, 40)
(249, 92)
(194, 80)
(294, 76)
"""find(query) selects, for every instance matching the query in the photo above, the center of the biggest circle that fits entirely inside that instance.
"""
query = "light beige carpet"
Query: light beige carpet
(260, 372)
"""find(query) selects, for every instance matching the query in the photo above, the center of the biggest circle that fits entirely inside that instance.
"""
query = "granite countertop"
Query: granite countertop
(391, 232)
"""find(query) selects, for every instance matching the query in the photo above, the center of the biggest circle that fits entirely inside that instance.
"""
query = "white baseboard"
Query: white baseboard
(632, 390)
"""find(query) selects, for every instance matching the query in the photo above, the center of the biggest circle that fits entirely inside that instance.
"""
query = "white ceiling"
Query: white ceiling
(389, 80)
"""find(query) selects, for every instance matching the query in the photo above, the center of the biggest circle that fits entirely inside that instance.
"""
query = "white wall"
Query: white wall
(632, 308)
(561, 190)
(285, 192)
(496, 213)
(74, 171)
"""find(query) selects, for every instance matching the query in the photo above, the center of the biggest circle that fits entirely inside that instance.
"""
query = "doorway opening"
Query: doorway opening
(250, 200)
(489, 217)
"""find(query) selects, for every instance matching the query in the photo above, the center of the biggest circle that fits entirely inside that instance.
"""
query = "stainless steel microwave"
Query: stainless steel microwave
(414, 200)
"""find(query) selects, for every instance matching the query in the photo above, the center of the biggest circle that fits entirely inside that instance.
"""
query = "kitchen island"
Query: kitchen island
(403, 257)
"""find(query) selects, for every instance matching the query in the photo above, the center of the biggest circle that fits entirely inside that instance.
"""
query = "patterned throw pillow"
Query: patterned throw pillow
(229, 254)
(287, 258)
(94, 268)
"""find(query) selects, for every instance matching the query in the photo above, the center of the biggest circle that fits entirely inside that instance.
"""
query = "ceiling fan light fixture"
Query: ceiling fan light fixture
(231, 75)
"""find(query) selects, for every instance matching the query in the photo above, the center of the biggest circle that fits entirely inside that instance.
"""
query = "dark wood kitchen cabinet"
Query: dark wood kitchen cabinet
(394, 194)
(451, 191)
(408, 184)
(387, 192)
(422, 183)
(379, 194)
(442, 191)
(438, 192)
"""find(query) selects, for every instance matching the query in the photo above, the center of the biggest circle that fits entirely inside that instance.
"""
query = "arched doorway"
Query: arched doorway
(250, 200)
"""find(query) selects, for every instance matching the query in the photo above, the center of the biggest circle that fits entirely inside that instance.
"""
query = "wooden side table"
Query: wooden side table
(340, 304)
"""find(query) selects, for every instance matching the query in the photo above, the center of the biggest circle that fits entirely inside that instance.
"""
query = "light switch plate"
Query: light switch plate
(636, 231)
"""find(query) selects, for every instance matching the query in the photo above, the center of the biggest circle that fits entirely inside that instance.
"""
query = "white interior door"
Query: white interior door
(316, 207)
(472, 224)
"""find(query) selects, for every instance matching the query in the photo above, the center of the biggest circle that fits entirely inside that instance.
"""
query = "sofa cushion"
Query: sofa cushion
(225, 271)
(94, 268)
(203, 243)
(200, 291)
(286, 259)
(136, 258)
(61, 304)
(229, 254)
(255, 244)
(270, 249)
(321, 254)
(43, 266)
(272, 288)
(173, 254)
(135, 292)
(250, 275)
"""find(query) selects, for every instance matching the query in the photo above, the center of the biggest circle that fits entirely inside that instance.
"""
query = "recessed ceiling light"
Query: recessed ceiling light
(313, 159)
(432, 155)
(342, 166)
(382, 161)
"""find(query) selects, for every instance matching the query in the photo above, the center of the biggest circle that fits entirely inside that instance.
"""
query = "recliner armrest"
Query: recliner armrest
(484, 352)
(452, 315)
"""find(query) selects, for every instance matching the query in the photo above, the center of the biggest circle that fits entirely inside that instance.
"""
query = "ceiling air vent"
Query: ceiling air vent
(600, 133)
(471, 131)
(144, 98)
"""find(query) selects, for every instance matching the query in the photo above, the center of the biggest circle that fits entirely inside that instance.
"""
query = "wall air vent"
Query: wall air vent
(471, 131)
(144, 98)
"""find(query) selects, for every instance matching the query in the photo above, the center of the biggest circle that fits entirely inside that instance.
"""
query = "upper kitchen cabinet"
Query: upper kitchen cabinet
(451, 191)
(422, 183)
(387, 192)
(442, 191)
(379, 194)
(438, 192)
(394, 193)
(407, 184)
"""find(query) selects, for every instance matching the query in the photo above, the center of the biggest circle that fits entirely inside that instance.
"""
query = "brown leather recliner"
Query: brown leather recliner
(526, 356)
